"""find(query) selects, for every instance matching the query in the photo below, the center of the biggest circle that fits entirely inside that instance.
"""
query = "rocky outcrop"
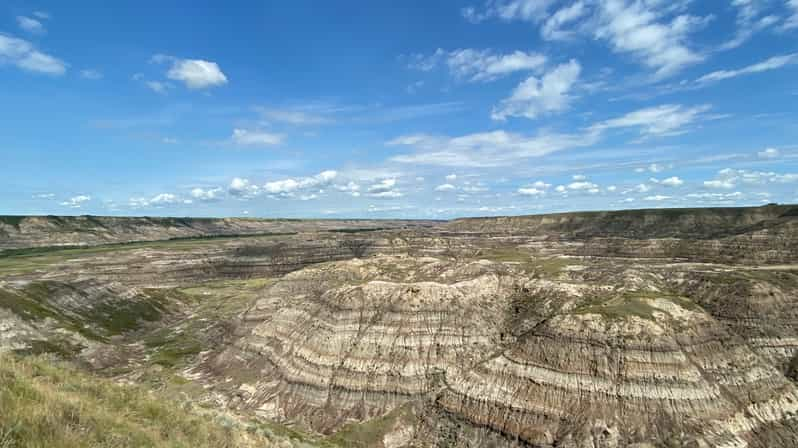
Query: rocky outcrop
(492, 354)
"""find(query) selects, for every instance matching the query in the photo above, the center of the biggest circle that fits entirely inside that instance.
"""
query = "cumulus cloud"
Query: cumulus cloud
(674, 181)
(194, 73)
(384, 189)
(245, 137)
(243, 188)
(30, 25)
(208, 195)
(451, 177)
(773, 63)
(530, 191)
(658, 197)
(535, 97)
(582, 186)
(287, 187)
(445, 187)
(729, 178)
(351, 188)
(26, 56)
(768, 153)
(76, 201)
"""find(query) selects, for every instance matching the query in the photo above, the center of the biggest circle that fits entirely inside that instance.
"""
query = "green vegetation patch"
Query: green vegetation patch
(48, 404)
(368, 433)
(632, 303)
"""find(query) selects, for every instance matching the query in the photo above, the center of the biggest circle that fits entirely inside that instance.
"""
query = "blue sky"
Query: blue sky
(412, 109)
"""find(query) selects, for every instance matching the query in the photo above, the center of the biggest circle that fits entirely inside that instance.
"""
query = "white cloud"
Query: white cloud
(24, 55)
(552, 28)
(539, 184)
(44, 196)
(749, 22)
(672, 182)
(485, 65)
(768, 153)
(485, 149)
(526, 10)
(525, 191)
(773, 63)
(90, 74)
(612, 188)
(792, 21)
(535, 97)
(255, 138)
(351, 188)
(582, 186)
(474, 65)
(659, 121)
(158, 86)
(445, 187)
(578, 177)
(206, 195)
(298, 116)
(650, 30)
(243, 188)
(451, 177)
(164, 199)
(287, 187)
(30, 25)
(729, 178)
(658, 197)
(43, 15)
(76, 201)
(560, 189)
(639, 28)
(642, 188)
(194, 73)
(157, 201)
(384, 189)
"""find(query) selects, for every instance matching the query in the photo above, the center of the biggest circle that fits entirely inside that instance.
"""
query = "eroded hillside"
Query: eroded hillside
(639, 328)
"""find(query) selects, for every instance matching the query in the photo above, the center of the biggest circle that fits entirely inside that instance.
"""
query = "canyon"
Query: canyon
(637, 328)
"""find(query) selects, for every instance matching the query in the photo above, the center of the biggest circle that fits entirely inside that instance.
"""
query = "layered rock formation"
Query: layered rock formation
(641, 328)
(43, 231)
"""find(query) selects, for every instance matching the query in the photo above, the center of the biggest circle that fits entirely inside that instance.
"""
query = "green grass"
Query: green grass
(368, 433)
(548, 267)
(632, 303)
(47, 404)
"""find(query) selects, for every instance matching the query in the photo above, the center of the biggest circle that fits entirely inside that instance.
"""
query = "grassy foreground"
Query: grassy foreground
(47, 404)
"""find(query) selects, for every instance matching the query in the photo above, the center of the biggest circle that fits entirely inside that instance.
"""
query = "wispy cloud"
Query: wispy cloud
(773, 63)
(30, 25)
(26, 56)
(244, 137)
